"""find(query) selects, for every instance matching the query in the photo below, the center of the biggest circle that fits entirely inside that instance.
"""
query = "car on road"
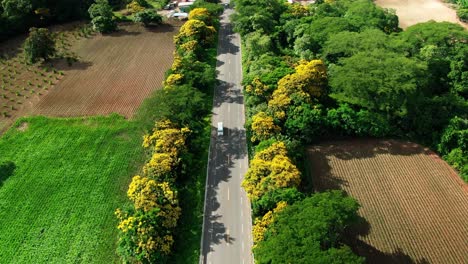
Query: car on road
(220, 129)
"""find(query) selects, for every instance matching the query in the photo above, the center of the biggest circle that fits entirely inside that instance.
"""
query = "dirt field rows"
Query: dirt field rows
(411, 12)
(115, 73)
(415, 205)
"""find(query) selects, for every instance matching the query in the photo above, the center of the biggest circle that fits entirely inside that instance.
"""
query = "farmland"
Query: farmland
(417, 11)
(71, 174)
(414, 204)
(114, 73)
(102, 75)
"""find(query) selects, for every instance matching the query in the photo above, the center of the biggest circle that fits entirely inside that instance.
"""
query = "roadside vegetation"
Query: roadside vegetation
(340, 69)
(162, 221)
(77, 169)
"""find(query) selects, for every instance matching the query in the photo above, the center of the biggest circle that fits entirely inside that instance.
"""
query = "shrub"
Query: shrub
(147, 17)
(39, 44)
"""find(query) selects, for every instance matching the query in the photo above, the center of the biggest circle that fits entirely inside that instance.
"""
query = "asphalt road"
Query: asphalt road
(227, 221)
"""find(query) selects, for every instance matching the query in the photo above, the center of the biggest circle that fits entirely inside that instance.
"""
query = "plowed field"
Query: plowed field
(114, 73)
(414, 205)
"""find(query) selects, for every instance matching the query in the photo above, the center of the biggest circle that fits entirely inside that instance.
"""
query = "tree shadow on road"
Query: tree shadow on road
(226, 93)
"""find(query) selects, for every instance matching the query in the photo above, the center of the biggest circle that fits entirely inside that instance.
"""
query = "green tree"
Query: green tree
(102, 16)
(378, 80)
(39, 44)
(148, 17)
(269, 200)
(310, 231)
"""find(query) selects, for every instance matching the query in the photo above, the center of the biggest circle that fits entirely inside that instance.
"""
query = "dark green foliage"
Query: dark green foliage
(17, 16)
(454, 145)
(305, 122)
(365, 14)
(183, 105)
(269, 200)
(378, 80)
(6, 170)
(462, 13)
(345, 44)
(257, 15)
(39, 45)
(148, 17)
(344, 120)
(310, 38)
(310, 231)
(102, 16)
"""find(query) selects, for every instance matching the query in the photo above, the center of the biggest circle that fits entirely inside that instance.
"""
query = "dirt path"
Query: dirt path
(411, 12)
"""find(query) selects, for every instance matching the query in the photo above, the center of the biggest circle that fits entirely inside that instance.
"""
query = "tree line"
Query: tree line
(149, 227)
(335, 69)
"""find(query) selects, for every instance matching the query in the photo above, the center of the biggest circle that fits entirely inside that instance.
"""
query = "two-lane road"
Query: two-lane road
(227, 223)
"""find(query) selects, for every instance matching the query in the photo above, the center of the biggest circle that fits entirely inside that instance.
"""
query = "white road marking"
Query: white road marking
(241, 200)
(228, 194)
(242, 228)
(229, 61)
(242, 246)
(229, 108)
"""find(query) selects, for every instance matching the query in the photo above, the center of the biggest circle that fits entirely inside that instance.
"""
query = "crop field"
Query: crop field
(94, 75)
(411, 12)
(114, 73)
(23, 84)
(414, 205)
(71, 174)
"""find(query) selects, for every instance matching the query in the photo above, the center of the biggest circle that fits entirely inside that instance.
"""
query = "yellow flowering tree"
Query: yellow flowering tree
(166, 138)
(160, 167)
(269, 170)
(143, 237)
(195, 29)
(261, 225)
(308, 81)
(263, 127)
(201, 14)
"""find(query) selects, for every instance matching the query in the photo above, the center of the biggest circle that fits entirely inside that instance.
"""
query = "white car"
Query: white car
(220, 128)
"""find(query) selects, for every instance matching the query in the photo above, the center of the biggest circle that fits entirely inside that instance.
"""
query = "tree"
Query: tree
(160, 167)
(148, 17)
(310, 231)
(143, 238)
(308, 81)
(365, 14)
(269, 200)
(263, 127)
(201, 14)
(378, 80)
(167, 138)
(270, 169)
(197, 30)
(102, 16)
(184, 105)
(39, 44)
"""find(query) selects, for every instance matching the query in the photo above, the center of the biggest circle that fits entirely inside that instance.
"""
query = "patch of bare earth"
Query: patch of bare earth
(414, 205)
(115, 73)
(411, 12)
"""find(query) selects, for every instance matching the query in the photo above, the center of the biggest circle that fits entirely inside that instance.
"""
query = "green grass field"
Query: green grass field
(70, 176)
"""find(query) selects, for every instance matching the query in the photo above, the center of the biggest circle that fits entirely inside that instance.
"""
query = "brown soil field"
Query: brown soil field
(411, 12)
(413, 204)
(23, 84)
(115, 73)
